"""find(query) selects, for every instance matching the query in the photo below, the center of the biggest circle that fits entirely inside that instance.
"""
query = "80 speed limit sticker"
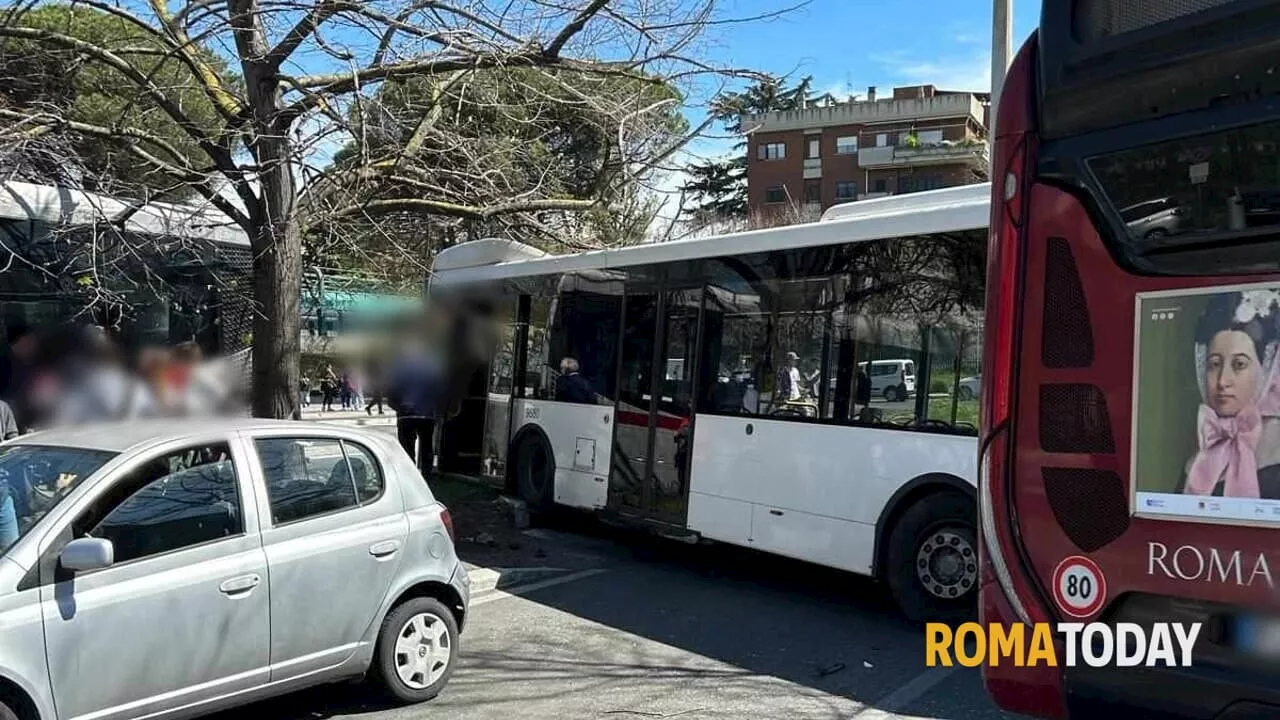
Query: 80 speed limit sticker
(1079, 586)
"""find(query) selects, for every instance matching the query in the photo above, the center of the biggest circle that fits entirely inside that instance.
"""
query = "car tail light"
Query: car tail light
(447, 519)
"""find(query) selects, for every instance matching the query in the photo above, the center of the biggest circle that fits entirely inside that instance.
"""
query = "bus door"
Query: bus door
(649, 473)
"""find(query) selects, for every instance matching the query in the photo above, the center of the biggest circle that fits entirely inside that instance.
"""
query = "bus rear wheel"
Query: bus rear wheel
(932, 567)
(535, 472)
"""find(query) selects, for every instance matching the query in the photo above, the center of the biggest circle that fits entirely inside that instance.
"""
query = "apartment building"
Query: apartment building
(921, 138)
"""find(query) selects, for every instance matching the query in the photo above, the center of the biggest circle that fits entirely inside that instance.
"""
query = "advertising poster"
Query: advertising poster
(1207, 404)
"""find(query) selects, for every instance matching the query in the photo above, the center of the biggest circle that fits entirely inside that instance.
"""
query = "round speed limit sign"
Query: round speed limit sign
(1079, 587)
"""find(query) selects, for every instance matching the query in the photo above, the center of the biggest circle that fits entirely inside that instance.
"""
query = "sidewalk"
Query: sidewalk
(349, 417)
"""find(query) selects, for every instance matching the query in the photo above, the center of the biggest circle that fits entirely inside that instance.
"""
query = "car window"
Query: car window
(172, 502)
(364, 471)
(34, 478)
(306, 477)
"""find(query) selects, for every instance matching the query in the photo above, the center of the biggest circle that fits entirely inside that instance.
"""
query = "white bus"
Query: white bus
(722, 392)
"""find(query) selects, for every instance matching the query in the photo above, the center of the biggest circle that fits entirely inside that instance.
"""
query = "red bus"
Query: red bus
(1130, 433)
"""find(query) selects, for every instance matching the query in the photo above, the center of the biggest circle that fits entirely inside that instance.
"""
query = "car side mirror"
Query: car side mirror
(87, 553)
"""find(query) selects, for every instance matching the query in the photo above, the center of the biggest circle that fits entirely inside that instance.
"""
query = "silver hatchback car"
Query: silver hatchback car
(167, 570)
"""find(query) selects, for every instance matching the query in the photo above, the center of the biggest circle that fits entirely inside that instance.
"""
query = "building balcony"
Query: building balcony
(923, 155)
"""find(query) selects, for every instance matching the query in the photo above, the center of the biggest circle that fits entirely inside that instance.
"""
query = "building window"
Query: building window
(846, 190)
(847, 145)
(815, 147)
(812, 191)
(775, 194)
(880, 185)
(882, 140)
(919, 183)
(929, 137)
(773, 151)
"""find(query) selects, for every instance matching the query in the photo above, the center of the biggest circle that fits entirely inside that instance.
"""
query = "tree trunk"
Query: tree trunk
(277, 293)
(277, 261)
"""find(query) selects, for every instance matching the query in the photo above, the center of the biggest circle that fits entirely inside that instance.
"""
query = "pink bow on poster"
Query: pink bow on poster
(1227, 452)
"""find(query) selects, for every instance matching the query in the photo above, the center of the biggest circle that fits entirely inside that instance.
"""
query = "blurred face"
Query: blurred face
(1233, 372)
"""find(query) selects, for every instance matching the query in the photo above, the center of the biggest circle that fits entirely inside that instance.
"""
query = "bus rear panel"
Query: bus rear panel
(1132, 416)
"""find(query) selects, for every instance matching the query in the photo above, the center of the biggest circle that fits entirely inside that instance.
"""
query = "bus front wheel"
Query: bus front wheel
(535, 472)
(932, 567)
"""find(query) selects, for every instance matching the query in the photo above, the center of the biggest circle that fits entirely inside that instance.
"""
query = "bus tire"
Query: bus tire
(535, 472)
(932, 563)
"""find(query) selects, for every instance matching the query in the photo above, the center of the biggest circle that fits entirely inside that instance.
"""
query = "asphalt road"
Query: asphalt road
(619, 626)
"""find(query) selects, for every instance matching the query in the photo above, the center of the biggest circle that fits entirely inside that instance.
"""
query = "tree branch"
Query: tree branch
(220, 157)
(574, 27)
(321, 11)
(448, 209)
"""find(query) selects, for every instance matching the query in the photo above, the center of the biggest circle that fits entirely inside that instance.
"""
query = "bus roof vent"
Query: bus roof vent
(488, 251)
(911, 202)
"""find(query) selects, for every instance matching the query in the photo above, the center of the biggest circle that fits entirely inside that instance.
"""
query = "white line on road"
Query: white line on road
(522, 589)
(916, 688)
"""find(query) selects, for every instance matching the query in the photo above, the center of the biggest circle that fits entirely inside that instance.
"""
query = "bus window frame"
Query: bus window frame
(666, 278)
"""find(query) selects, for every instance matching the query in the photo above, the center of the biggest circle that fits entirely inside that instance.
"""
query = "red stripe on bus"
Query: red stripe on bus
(666, 422)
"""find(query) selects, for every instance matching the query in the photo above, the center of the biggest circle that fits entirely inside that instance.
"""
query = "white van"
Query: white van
(893, 380)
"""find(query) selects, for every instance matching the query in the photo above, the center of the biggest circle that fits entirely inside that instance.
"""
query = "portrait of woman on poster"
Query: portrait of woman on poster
(1238, 421)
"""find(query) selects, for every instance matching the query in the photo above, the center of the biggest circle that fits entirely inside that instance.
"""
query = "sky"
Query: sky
(848, 45)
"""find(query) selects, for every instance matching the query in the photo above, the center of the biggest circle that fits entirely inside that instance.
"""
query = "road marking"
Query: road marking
(916, 688)
(492, 595)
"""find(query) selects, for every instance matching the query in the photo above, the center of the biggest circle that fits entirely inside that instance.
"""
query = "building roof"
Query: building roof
(67, 206)
(119, 437)
(948, 210)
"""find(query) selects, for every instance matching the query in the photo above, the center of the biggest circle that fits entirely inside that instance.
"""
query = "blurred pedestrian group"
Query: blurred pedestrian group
(83, 375)
(353, 388)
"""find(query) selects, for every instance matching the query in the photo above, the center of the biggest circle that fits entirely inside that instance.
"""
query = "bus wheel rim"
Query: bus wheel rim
(947, 564)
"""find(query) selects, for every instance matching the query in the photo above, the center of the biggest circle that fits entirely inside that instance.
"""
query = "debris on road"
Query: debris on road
(483, 524)
(517, 511)
(831, 669)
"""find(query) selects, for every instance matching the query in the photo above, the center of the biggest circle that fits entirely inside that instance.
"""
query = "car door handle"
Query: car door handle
(384, 548)
(238, 585)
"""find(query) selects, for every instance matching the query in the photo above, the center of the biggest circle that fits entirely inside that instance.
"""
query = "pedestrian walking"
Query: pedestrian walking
(376, 385)
(416, 393)
(304, 391)
(344, 389)
(357, 388)
(328, 387)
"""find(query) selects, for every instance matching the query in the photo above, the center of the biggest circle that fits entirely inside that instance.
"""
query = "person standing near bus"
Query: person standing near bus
(416, 393)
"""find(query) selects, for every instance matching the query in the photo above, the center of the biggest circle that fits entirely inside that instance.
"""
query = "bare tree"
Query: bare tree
(306, 70)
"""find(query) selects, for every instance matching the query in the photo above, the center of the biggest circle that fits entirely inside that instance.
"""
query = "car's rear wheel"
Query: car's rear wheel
(417, 650)
(6, 713)
(932, 567)
(966, 392)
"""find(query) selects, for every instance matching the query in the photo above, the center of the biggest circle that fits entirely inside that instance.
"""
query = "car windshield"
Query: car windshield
(33, 478)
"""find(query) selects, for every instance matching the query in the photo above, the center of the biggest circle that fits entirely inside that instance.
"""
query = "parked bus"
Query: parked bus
(708, 388)
(1130, 451)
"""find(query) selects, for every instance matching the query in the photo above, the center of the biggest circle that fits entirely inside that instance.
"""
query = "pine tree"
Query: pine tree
(719, 187)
